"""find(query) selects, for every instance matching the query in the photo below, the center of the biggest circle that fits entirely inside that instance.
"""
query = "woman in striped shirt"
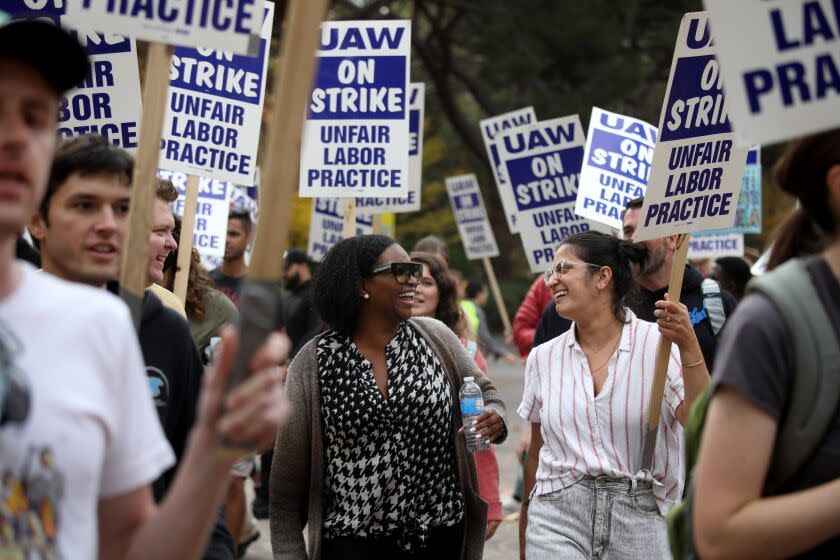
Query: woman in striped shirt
(586, 396)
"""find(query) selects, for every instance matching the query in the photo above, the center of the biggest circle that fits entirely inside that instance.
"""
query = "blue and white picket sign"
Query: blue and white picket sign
(713, 245)
(542, 162)
(471, 217)
(616, 165)
(239, 198)
(108, 102)
(491, 131)
(214, 110)
(211, 214)
(748, 211)
(781, 66)
(222, 25)
(697, 167)
(326, 228)
(410, 202)
(356, 133)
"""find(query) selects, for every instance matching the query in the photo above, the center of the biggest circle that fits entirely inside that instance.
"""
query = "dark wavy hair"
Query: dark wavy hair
(605, 250)
(197, 281)
(802, 170)
(448, 311)
(335, 290)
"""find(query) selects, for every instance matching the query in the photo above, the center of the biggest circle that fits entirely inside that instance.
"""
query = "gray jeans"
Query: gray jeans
(597, 518)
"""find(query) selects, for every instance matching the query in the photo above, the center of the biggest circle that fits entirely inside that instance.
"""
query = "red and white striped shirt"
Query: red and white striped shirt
(602, 435)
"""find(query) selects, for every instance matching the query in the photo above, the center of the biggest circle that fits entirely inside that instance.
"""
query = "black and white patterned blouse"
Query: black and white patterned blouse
(390, 464)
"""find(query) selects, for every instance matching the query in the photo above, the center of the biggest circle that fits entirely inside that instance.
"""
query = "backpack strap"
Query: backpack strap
(714, 304)
(815, 391)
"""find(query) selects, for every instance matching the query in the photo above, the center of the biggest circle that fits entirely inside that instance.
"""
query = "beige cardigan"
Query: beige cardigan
(297, 474)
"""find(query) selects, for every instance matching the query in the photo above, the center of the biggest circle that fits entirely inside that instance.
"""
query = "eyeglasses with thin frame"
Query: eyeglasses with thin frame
(403, 271)
(562, 267)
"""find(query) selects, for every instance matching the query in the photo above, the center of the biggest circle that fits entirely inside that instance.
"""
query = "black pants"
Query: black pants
(444, 544)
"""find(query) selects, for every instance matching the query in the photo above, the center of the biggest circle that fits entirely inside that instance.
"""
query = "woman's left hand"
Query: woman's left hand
(674, 322)
(490, 425)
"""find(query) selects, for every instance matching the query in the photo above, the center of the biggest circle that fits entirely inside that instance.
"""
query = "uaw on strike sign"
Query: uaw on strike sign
(356, 133)
(214, 110)
(107, 102)
(697, 168)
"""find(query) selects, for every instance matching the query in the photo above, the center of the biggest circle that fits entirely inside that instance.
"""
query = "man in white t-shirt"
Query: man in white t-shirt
(77, 467)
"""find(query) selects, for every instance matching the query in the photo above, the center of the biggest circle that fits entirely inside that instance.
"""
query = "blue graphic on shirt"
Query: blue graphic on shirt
(697, 315)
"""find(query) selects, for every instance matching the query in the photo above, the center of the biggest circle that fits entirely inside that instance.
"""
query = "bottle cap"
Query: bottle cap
(468, 379)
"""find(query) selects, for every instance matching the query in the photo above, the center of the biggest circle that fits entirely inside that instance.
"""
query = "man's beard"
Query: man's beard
(655, 260)
(292, 282)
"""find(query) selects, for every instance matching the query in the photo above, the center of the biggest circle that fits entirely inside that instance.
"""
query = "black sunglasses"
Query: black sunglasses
(403, 271)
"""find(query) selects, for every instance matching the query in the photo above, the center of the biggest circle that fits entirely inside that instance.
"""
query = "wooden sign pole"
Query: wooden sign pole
(497, 294)
(349, 213)
(135, 265)
(185, 244)
(291, 89)
(377, 223)
(663, 354)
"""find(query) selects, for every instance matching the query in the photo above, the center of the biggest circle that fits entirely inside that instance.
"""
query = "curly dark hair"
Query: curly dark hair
(197, 281)
(337, 283)
(448, 310)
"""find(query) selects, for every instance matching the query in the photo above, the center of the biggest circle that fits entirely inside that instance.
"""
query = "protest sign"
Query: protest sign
(211, 214)
(471, 217)
(714, 245)
(225, 26)
(786, 83)
(542, 162)
(748, 211)
(108, 101)
(616, 165)
(355, 138)
(410, 202)
(697, 167)
(214, 110)
(326, 228)
(491, 131)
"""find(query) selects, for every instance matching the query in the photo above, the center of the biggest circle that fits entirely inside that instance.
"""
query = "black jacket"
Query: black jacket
(174, 371)
(643, 305)
(300, 319)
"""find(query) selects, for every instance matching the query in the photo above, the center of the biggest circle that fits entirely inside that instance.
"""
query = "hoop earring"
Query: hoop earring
(597, 291)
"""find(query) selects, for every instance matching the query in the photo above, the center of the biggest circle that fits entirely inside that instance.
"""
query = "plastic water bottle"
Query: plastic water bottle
(472, 406)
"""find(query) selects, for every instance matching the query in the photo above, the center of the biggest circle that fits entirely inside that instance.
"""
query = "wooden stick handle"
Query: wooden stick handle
(663, 354)
(497, 294)
(135, 265)
(182, 271)
(349, 212)
(292, 86)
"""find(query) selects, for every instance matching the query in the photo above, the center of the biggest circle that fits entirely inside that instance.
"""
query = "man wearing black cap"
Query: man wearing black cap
(78, 448)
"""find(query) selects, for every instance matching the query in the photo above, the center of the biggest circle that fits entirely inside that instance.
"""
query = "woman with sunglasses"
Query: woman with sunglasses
(437, 297)
(586, 396)
(372, 460)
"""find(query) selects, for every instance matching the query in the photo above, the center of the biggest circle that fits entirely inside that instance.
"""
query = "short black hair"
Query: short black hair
(736, 268)
(635, 203)
(338, 280)
(473, 288)
(88, 154)
(243, 216)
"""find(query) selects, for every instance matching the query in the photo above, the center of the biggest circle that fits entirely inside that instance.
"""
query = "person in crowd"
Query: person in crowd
(26, 252)
(733, 274)
(434, 245)
(436, 297)
(734, 516)
(208, 310)
(528, 315)
(709, 304)
(476, 292)
(81, 226)
(87, 434)
(228, 277)
(586, 396)
(372, 462)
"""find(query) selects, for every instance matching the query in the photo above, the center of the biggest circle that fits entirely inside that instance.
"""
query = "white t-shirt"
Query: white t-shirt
(589, 435)
(92, 430)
